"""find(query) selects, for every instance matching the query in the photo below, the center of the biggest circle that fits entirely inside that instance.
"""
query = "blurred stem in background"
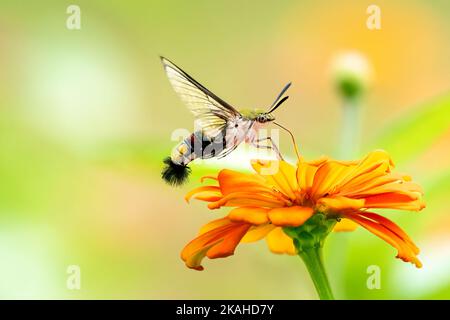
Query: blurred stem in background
(351, 75)
(351, 124)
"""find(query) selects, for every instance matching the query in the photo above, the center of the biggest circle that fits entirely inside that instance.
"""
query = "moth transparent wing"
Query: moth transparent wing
(211, 112)
(227, 151)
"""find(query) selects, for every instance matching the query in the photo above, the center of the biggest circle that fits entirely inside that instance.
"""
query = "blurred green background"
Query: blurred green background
(87, 115)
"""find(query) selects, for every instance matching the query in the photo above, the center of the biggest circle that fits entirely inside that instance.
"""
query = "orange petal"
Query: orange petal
(229, 243)
(345, 225)
(395, 201)
(367, 187)
(327, 177)
(216, 243)
(279, 174)
(406, 251)
(407, 188)
(257, 233)
(205, 193)
(238, 199)
(318, 162)
(339, 203)
(253, 215)
(392, 226)
(214, 225)
(290, 216)
(279, 242)
(202, 179)
(232, 181)
(375, 164)
(378, 170)
(305, 175)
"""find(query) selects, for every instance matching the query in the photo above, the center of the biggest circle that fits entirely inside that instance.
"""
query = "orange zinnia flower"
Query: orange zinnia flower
(270, 201)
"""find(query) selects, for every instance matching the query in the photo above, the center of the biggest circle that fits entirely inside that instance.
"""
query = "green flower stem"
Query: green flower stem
(313, 260)
(309, 239)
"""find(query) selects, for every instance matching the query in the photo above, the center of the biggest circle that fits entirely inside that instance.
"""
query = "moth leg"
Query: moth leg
(272, 146)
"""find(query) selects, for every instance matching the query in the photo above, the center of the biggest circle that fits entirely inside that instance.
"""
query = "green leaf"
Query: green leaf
(416, 131)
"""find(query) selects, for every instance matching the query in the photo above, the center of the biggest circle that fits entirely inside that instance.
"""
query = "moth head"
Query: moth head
(265, 117)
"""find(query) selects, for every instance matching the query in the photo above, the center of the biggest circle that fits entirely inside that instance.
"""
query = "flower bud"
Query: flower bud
(352, 74)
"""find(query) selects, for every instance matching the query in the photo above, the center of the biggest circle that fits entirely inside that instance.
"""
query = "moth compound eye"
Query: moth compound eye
(236, 125)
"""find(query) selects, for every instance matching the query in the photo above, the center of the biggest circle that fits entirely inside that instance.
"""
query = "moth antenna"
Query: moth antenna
(278, 104)
(271, 108)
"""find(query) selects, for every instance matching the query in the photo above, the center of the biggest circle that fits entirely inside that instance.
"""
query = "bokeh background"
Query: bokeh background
(87, 115)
